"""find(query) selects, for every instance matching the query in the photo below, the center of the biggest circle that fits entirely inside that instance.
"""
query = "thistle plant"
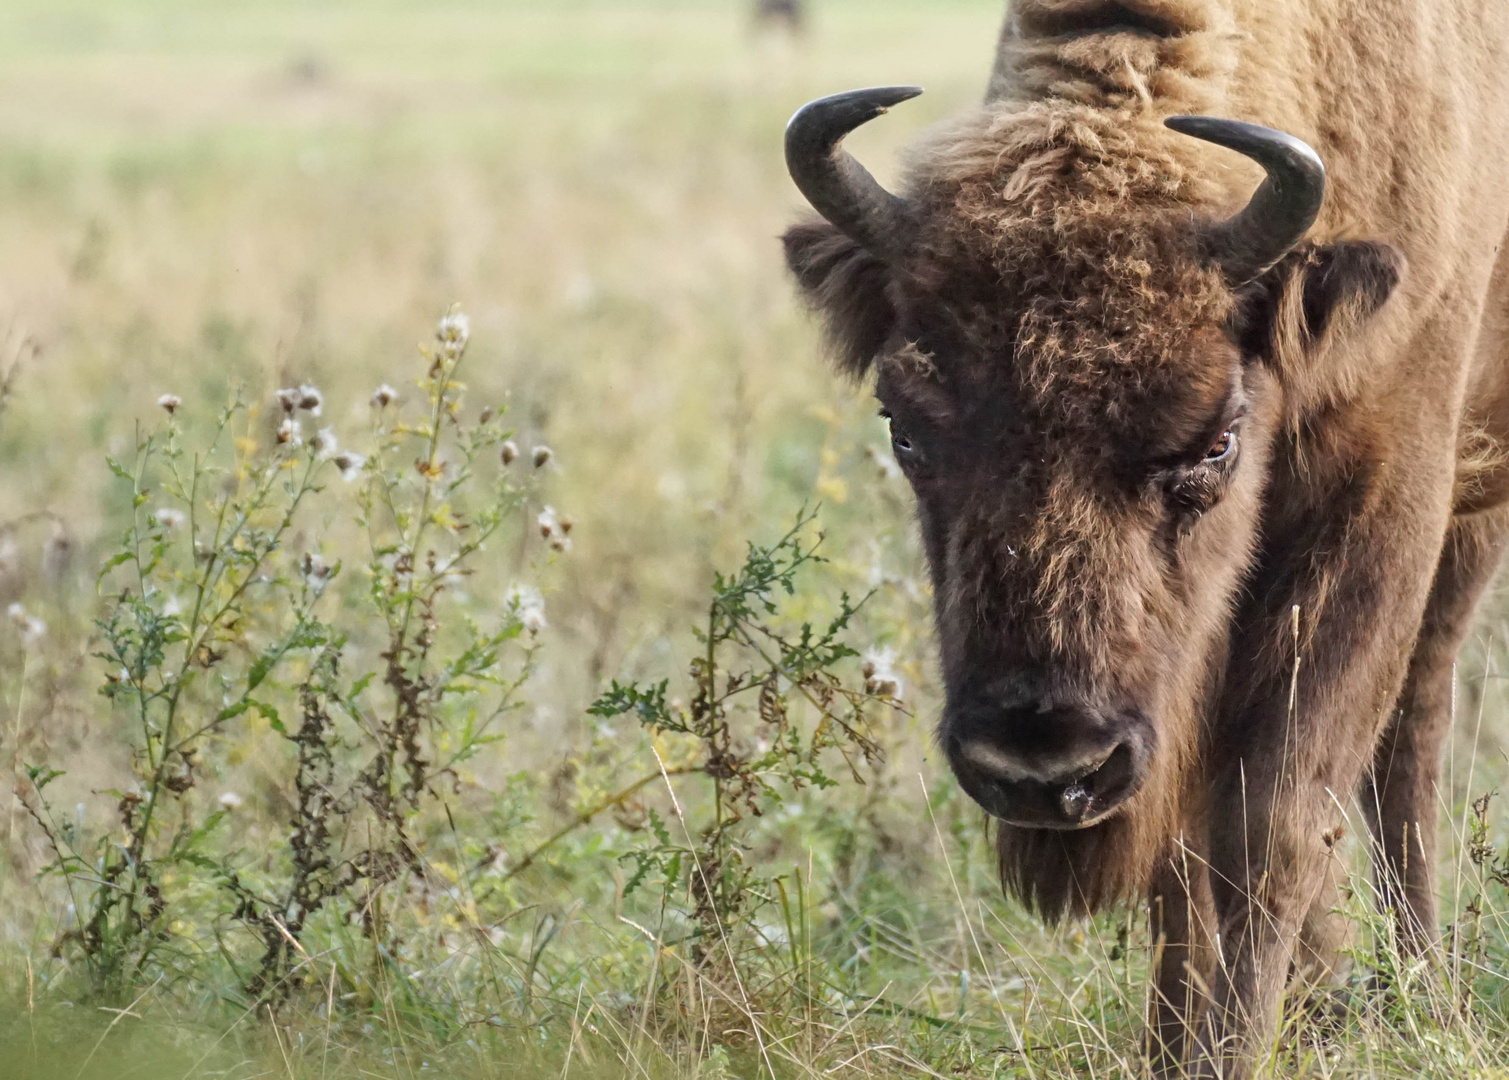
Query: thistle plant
(229, 620)
(773, 708)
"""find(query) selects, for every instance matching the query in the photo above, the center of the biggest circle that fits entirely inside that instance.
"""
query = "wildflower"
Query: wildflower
(350, 465)
(317, 572)
(542, 454)
(454, 329)
(32, 628)
(555, 528)
(288, 399)
(288, 431)
(170, 517)
(230, 801)
(325, 444)
(169, 403)
(509, 452)
(401, 564)
(880, 675)
(383, 396)
(528, 606)
(310, 399)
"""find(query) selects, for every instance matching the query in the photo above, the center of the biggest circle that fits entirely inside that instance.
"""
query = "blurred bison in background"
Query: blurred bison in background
(1208, 483)
(791, 14)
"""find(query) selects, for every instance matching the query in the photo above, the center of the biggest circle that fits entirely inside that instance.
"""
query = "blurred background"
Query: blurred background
(198, 194)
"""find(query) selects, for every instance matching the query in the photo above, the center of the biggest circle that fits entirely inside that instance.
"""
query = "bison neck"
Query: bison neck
(1117, 53)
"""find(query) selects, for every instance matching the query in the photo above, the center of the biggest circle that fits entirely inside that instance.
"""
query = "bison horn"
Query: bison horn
(1282, 210)
(836, 185)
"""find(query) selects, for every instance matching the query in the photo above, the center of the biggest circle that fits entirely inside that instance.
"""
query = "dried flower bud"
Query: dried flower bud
(528, 606)
(230, 801)
(288, 431)
(548, 522)
(561, 543)
(880, 678)
(509, 452)
(325, 444)
(32, 628)
(288, 399)
(487, 414)
(170, 517)
(454, 329)
(169, 403)
(384, 396)
(311, 399)
(317, 572)
(542, 454)
(349, 464)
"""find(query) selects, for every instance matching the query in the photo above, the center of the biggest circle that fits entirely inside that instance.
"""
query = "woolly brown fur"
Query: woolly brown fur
(1061, 350)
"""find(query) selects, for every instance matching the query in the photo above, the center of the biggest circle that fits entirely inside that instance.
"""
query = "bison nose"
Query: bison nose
(1047, 766)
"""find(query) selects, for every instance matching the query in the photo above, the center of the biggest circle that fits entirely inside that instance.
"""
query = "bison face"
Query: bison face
(1086, 363)
(1085, 537)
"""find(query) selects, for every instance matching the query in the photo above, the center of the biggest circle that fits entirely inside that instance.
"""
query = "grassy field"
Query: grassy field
(556, 868)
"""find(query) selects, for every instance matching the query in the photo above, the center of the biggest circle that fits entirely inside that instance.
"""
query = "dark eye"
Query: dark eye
(1222, 448)
(901, 441)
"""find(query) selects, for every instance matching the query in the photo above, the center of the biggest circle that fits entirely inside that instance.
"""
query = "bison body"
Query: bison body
(1210, 471)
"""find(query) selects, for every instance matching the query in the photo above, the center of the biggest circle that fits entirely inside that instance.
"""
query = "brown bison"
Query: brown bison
(1209, 445)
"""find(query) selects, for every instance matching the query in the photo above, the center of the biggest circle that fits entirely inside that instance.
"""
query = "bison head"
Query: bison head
(1085, 362)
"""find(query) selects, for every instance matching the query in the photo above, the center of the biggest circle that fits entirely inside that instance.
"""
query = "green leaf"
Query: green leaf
(42, 775)
(260, 668)
(271, 715)
(230, 712)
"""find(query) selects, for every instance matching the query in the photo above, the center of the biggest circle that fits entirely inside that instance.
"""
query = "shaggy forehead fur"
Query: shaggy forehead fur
(1061, 247)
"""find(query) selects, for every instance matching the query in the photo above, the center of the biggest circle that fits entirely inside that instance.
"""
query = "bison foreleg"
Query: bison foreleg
(1182, 920)
(1318, 661)
(1401, 797)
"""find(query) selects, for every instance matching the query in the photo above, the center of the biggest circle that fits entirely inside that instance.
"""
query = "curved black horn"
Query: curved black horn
(837, 186)
(1282, 210)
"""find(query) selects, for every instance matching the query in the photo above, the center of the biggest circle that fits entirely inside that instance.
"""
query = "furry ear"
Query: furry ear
(847, 286)
(1289, 309)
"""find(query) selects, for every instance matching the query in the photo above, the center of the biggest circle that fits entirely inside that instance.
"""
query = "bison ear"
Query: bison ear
(848, 287)
(1315, 288)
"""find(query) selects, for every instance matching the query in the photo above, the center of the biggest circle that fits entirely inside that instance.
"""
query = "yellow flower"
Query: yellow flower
(833, 489)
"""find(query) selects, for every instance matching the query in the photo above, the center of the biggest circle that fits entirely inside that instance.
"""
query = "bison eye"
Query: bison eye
(1222, 448)
(902, 443)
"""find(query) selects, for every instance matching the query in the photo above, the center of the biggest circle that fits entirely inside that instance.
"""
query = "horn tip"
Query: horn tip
(1242, 137)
